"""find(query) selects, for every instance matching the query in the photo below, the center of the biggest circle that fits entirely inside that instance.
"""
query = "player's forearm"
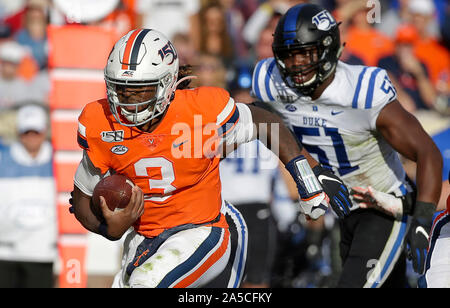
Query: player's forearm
(271, 130)
(82, 211)
(429, 174)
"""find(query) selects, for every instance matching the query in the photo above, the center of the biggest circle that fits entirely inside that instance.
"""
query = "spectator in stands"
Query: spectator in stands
(445, 26)
(363, 41)
(13, 88)
(34, 32)
(27, 207)
(11, 13)
(247, 7)
(235, 21)
(185, 48)
(427, 48)
(395, 16)
(262, 16)
(408, 73)
(173, 16)
(262, 48)
(214, 37)
(122, 19)
(210, 71)
(239, 87)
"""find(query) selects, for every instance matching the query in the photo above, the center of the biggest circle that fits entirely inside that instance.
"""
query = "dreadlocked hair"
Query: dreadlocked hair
(184, 71)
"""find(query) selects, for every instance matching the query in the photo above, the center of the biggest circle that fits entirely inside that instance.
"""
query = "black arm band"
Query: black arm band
(408, 202)
(103, 231)
(424, 211)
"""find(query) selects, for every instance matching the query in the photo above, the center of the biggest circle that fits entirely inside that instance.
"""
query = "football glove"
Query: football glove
(419, 233)
(313, 201)
(314, 207)
(419, 229)
(337, 192)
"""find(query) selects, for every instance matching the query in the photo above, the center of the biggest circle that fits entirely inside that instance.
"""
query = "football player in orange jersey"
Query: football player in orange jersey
(168, 139)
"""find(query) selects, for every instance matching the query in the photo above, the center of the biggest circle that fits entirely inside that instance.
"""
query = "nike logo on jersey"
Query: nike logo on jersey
(420, 229)
(177, 145)
(334, 113)
(324, 177)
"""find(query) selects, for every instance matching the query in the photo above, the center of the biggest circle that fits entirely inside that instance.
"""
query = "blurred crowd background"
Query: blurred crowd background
(223, 40)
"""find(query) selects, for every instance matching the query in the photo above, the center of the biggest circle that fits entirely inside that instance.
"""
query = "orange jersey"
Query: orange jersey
(172, 164)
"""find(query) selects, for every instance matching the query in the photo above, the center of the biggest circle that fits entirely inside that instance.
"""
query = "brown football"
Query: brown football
(116, 189)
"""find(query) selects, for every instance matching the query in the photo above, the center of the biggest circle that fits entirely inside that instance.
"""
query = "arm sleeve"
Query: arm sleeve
(88, 137)
(243, 131)
(87, 176)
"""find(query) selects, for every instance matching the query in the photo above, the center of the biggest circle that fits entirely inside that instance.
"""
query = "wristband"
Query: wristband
(307, 183)
(424, 211)
(103, 231)
(408, 202)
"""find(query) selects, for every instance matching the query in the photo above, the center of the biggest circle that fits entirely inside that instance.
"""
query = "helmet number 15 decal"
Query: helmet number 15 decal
(168, 49)
(163, 186)
(324, 21)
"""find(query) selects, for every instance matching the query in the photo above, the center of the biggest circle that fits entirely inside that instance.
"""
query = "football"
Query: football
(116, 189)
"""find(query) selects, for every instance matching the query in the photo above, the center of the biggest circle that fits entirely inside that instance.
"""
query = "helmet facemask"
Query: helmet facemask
(141, 76)
(308, 76)
(312, 31)
(134, 103)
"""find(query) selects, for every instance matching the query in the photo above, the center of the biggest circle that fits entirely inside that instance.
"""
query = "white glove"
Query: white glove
(314, 207)
(371, 198)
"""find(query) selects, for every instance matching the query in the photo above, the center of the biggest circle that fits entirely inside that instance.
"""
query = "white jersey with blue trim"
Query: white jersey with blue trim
(339, 128)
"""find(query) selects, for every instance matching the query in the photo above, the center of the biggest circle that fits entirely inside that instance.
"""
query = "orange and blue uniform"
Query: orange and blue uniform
(175, 165)
(180, 181)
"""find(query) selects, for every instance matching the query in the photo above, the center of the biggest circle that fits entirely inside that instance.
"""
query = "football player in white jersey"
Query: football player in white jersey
(437, 262)
(349, 118)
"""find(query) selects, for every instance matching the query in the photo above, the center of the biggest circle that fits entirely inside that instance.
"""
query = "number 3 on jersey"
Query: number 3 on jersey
(167, 176)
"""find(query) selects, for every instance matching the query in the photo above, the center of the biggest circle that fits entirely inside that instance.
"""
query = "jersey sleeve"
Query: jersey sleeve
(373, 91)
(87, 176)
(263, 88)
(384, 92)
(88, 136)
(217, 107)
(232, 122)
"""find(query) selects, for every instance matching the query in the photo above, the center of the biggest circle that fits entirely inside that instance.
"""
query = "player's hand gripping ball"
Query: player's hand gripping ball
(116, 189)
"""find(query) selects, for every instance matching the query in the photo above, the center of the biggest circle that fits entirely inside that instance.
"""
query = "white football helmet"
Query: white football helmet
(142, 59)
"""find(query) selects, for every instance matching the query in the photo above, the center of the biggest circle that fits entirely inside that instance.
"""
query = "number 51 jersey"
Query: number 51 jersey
(171, 164)
(339, 128)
